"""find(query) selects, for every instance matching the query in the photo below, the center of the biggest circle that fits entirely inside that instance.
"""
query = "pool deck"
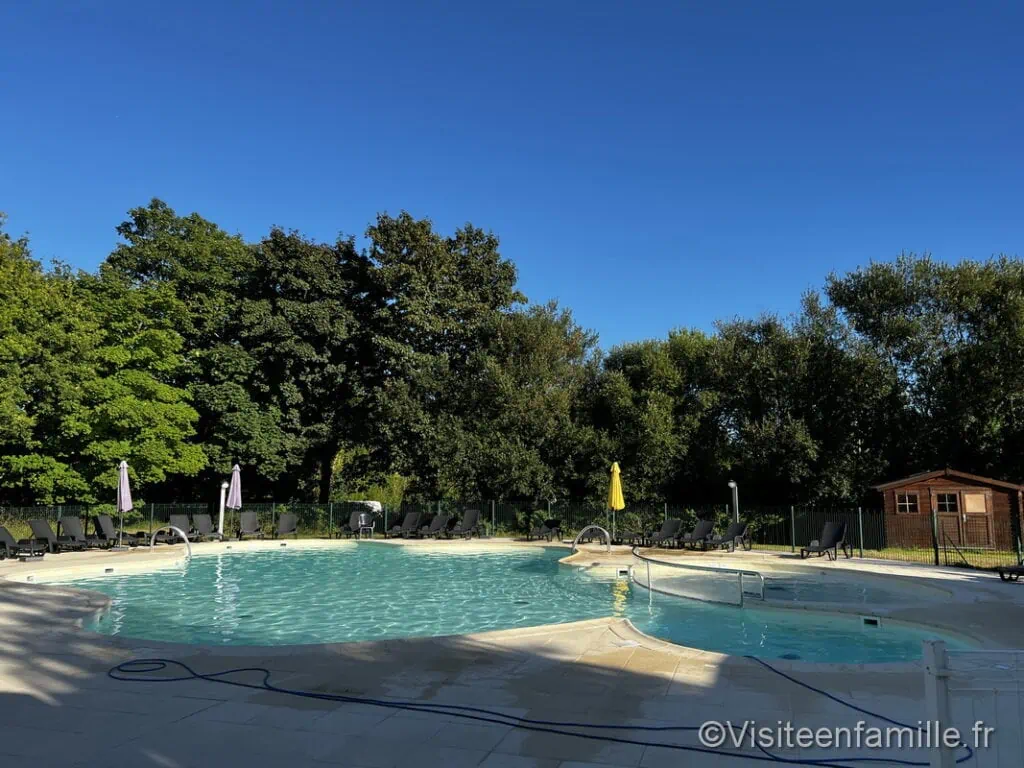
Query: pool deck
(58, 707)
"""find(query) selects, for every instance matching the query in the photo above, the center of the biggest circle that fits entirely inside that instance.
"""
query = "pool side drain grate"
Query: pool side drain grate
(871, 621)
(790, 656)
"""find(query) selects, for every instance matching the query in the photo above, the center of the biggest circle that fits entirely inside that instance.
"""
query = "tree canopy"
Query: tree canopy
(414, 367)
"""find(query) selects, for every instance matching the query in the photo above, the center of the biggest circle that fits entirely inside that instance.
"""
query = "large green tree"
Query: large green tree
(426, 303)
(86, 372)
(207, 271)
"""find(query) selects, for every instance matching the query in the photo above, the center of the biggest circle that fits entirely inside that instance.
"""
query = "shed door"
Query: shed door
(946, 504)
(976, 521)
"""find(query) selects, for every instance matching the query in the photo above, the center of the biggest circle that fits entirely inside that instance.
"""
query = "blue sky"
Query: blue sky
(651, 165)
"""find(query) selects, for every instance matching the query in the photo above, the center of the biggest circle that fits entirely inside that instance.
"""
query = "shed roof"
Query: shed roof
(947, 472)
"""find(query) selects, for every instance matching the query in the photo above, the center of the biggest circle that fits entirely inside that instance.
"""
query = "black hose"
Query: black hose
(130, 671)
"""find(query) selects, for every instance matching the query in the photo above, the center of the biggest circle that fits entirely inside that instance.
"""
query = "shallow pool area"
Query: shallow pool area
(373, 591)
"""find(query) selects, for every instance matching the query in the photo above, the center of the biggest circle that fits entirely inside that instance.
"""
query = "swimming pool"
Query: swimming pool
(372, 591)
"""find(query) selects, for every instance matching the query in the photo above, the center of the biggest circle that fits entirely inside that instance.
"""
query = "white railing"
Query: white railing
(697, 582)
(607, 537)
(981, 694)
(184, 537)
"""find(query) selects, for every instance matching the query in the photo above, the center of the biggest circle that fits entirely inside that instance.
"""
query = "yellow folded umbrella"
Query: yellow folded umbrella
(615, 500)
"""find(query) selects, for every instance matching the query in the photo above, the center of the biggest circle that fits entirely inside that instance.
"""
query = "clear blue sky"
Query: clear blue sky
(651, 165)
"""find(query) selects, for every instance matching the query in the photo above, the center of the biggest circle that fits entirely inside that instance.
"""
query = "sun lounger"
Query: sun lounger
(437, 528)
(249, 525)
(204, 529)
(351, 528)
(72, 527)
(668, 533)
(287, 525)
(547, 530)
(1010, 572)
(470, 524)
(833, 538)
(699, 536)
(11, 548)
(669, 530)
(106, 530)
(43, 533)
(735, 536)
(182, 524)
(409, 524)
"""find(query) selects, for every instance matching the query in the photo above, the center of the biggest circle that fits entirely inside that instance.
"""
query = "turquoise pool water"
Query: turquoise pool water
(371, 592)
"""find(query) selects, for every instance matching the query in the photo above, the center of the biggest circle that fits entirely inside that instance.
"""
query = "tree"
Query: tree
(206, 271)
(297, 321)
(425, 303)
(84, 372)
(953, 335)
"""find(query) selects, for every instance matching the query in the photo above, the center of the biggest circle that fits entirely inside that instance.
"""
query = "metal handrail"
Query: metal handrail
(184, 536)
(689, 566)
(607, 537)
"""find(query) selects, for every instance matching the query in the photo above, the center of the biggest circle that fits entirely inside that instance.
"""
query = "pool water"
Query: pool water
(369, 591)
(799, 588)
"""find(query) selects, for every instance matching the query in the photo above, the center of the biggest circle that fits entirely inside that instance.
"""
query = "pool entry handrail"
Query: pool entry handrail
(607, 537)
(743, 578)
(174, 529)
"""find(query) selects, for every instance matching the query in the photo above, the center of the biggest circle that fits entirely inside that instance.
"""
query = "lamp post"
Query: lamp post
(223, 495)
(735, 500)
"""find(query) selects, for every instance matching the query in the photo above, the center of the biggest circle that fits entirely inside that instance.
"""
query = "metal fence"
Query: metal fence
(920, 538)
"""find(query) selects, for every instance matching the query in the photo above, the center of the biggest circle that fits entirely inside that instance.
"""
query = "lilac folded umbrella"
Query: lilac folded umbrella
(235, 491)
(124, 496)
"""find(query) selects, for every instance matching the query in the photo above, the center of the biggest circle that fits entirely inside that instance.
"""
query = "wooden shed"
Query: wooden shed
(971, 511)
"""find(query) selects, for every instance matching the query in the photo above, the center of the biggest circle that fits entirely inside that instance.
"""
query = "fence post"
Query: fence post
(935, 534)
(151, 518)
(330, 519)
(494, 526)
(273, 514)
(792, 529)
(666, 511)
(936, 702)
(860, 526)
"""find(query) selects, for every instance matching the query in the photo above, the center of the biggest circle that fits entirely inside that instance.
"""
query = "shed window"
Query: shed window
(906, 502)
(947, 502)
(975, 502)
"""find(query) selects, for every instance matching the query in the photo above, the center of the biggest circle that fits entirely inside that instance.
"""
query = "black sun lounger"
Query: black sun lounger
(106, 530)
(409, 524)
(699, 536)
(470, 524)
(249, 525)
(436, 529)
(735, 536)
(203, 524)
(72, 527)
(287, 525)
(351, 528)
(42, 532)
(547, 530)
(11, 548)
(833, 538)
(1010, 572)
(668, 533)
(182, 524)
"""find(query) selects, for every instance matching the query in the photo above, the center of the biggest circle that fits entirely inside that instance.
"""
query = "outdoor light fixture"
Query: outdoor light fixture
(735, 500)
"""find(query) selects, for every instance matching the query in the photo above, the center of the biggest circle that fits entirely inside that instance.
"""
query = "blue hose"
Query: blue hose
(130, 671)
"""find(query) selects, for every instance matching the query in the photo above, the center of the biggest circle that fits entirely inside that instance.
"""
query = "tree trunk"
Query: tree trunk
(326, 473)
